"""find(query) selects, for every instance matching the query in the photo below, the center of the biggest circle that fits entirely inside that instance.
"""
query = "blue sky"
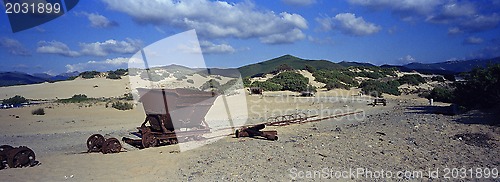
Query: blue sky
(102, 34)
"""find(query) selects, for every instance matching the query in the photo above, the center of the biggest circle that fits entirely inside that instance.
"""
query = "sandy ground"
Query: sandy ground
(403, 136)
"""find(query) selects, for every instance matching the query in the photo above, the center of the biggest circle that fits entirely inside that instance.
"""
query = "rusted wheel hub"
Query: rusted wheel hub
(4, 150)
(149, 140)
(95, 143)
(111, 145)
(21, 157)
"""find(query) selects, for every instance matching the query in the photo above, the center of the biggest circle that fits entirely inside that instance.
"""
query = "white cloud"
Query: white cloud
(403, 7)
(287, 37)
(349, 24)
(299, 2)
(211, 48)
(473, 40)
(14, 47)
(407, 59)
(214, 19)
(479, 23)
(128, 46)
(106, 65)
(56, 47)
(98, 21)
(464, 15)
(454, 31)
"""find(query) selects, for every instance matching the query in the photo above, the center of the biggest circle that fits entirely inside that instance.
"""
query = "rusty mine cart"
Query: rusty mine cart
(172, 116)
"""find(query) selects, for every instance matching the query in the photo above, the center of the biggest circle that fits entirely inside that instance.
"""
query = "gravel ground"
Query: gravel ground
(405, 137)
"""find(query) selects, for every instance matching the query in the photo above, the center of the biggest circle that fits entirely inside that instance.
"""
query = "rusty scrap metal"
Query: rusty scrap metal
(254, 131)
(298, 118)
(97, 143)
(16, 157)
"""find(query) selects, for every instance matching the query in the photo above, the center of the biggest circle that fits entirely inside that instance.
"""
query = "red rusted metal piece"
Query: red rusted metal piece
(170, 110)
(111, 145)
(21, 157)
(95, 143)
(254, 131)
(4, 150)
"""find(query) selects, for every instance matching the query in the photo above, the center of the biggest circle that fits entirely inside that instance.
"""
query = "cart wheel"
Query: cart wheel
(111, 145)
(4, 150)
(21, 157)
(149, 140)
(95, 143)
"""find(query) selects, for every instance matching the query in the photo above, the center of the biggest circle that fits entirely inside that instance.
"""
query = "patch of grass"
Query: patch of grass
(39, 111)
(77, 98)
(122, 105)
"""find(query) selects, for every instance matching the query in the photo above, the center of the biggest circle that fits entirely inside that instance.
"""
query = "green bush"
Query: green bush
(376, 88)
(333, 84)
(441, 94)
(39, 111)
(89, 74)
(16, 100)
(77, 98)
(210, 84)
(113, 76)
(291, 81)
(412, 79)
(247, 82)
(333, 78)
(267, 85)
(481, 90)
(122, 105)
(438, 78)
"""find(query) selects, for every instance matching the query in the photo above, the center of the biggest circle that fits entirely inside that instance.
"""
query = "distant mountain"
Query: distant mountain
(453, 66)
(292, 61)
(18, 78)
(60, 77)
(349, 64)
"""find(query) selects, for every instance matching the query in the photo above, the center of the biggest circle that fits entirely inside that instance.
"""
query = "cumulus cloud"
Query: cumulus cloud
(98, 21)
(108, 64)
(215, 19)
(299, 2)
(211, 48)
(128, 46)
(473, 40)
(56, 47)
(462, 16)
(14, 47)
(349, 24)
(402, 7)
(407, 59)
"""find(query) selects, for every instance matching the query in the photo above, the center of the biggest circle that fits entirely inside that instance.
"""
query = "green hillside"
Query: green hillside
(292, 61)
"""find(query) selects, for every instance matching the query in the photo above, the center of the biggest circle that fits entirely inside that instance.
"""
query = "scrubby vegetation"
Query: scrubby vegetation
(77, 98)
(481, 90)
(335, 78)
(16, 100)
(190, 81)
(39, 111)
(267, 85)
(89, 74)
(291, 81)
(117, 74)
(122, 105)
(441, 94)
(376, 88)
(412, 79)
(210, 84)
(438, 78)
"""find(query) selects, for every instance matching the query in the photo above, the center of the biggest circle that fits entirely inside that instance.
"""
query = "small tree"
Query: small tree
(16, 100)
(38, 111)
